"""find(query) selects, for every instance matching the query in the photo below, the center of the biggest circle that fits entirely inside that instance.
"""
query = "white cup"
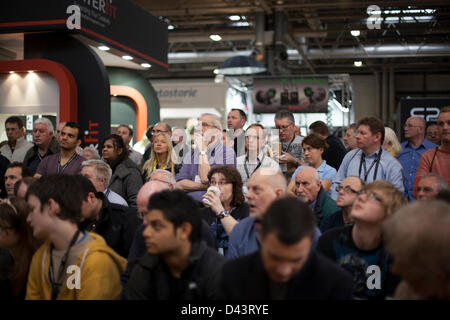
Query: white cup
(211, 189)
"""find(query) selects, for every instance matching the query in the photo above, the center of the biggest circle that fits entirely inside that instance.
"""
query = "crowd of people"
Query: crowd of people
(234, 213)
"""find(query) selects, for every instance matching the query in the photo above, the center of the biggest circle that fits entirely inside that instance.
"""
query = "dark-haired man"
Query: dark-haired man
(369, 161)
(67, 161)
(71, 264)
(177, 265)
(17, 147)
(14, 173)
(235, 122)
(127, 135)
(286, 266)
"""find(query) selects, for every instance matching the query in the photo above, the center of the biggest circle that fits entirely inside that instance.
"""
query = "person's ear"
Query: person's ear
(53, 207)
(279, 193)
(184, 231)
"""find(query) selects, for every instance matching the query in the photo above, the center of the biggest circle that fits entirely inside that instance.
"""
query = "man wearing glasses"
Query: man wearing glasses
(291, 153)
(348, 191)
(412, 149)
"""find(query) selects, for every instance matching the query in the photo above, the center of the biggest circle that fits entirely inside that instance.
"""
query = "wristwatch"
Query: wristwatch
(223, 214)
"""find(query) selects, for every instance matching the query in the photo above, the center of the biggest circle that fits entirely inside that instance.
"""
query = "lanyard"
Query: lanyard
(362, 163)
(432, 161)
(55, 285)
(287, 148)
(61, 169)
(155, 164)
(257, 166)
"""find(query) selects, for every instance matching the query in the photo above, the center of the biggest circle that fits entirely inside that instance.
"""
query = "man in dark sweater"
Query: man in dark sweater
(285, 267)
(336, 150)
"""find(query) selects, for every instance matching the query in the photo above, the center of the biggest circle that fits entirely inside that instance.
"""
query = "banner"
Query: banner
(296, 94)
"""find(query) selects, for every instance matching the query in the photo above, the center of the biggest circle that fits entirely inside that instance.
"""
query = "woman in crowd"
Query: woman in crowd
(17, 247)
(391, 143)
(313, 148)
(126, 178)
(359, 249)
(161, 156)
(223, 212)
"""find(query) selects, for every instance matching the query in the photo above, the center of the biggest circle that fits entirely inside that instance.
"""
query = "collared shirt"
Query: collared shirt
(49, 165)
(389, 169)
(262, 161)
(114, 197)
(409, 157)
(325, 171)
(218, 154)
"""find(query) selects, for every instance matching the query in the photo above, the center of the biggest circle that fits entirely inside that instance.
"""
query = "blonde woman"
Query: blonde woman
(391, 143)
(161, 156)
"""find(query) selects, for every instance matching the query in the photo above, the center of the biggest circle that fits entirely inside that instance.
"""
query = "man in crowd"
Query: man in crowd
(45, 144)
(235, 122)
(127, 135)
(336, 150)
(209, 151)
(309, 190)
(115, 223)
(67, 161)
(348, 191)
(369, 161)
(254, 157)
(291, 145)
(412, 149)
(14, 172)
(178, 265)
(264, 187)
(433, 134)
(430, 185)
(437, 160)
(17, 147)
(350, 137)
(286, 266)
(4, 162)
(54, 217)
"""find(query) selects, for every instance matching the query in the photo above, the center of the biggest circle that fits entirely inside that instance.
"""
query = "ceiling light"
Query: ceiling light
(30, 71)
(11, 72)
(234, 18)
(103, 48)
(127, 58)
(355, 33)
(115, 94)
(146, 65)
(357, 63)
(215, 37)
(170, 27)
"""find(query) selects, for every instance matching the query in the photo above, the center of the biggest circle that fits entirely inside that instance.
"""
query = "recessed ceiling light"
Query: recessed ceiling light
(103, 48)
(146, 65)
(234, 18)
(127, 58)
(215, 37)
(355, 33)
(357, 63)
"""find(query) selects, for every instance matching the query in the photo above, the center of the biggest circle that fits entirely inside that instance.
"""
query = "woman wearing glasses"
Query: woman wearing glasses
(313, 148)
(161, 156)
(359, 249)
(17, 247)
(222, 212)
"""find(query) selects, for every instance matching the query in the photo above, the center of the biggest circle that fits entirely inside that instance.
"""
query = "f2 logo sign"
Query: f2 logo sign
(74, 20)
(374, 21)
(74, 280)
(374, 280)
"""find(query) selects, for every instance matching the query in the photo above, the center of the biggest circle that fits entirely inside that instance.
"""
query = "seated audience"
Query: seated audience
(286, 266)
(359, 249)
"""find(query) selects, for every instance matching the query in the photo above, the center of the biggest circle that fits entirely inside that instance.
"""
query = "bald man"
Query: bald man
(412, 149)
(264, 187)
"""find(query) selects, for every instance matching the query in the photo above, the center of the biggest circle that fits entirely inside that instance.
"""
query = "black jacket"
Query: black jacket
(117, 225)
(335, 152)
(151, 279)
(319, 279)
(32, 160)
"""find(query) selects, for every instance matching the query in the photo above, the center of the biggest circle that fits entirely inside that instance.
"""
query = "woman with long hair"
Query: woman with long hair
(17, 247)
(359, 248)
(126, 179)
(222, 212)
(313, 149)
(161, 156)
(391, 143)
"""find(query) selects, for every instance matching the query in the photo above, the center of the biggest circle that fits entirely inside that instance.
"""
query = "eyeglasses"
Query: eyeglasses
(284, 127)
(219, 183)
(409, 126)
(158, 131)
(372, 196)
(424, 189)
(347, 189)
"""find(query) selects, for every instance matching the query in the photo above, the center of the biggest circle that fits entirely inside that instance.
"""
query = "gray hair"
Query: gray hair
(316, 175)
(102, 169)
(46, 122)
(169, 178)
(91, 149)
(441, 182)
(281, 114)
(216, 120)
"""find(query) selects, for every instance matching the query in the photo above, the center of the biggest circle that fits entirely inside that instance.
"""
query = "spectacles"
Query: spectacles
(424, 189)
(372, 196)
(219, 183)
(284, 127)
(158, 131)
(409, 126)
(347, 189)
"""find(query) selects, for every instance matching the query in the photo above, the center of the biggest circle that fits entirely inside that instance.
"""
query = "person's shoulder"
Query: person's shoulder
(428, 144)
(298, 139)
(239, 265)
(334, 233)
(329, 270)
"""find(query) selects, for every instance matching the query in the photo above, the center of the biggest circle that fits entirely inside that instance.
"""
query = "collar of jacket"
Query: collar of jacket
(197, 250)
(123, 168)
